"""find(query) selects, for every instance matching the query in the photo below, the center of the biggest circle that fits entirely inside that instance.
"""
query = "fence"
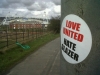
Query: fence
(9, 37)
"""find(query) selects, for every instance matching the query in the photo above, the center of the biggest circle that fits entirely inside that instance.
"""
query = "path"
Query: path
(45, 61)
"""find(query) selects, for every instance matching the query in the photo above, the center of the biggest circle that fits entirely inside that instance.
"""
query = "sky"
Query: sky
(30, 8)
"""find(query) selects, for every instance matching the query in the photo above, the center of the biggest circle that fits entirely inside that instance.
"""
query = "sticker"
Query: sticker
(76, 39)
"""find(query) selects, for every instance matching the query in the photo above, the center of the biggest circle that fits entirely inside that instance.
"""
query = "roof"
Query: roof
(26, 22)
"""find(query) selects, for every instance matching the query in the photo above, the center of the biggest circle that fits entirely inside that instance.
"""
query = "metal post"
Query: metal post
(28, 33)
(32, 33)
(23, 34)
(36, 31)
(16, 35)
(7, 37)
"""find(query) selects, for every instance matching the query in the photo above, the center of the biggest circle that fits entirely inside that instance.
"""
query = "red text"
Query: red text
(77, 36)
(73, 25)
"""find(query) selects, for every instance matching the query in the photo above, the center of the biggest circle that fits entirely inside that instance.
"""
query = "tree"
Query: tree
(54, 25)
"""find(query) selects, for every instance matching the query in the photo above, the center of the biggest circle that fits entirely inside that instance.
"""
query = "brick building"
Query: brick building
(25, 25)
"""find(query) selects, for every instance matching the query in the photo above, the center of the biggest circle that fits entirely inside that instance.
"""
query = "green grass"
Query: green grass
(14, 55)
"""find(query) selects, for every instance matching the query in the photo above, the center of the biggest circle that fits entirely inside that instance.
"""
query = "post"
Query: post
(23, 34)
(36, 31)
(32, 32)
(28, 33)
(80, 37)
(16, 35)
(7, 37)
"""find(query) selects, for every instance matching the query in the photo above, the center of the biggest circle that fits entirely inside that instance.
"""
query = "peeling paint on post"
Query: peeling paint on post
(85, 37)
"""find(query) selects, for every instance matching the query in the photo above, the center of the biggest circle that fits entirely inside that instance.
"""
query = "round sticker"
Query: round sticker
(76, 39)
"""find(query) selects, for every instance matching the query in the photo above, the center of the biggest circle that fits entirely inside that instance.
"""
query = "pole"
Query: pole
(80, 56)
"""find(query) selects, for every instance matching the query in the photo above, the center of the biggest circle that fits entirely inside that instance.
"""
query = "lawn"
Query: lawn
(17, 54)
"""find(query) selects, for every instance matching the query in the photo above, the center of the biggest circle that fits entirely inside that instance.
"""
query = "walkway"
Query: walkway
(45, 61)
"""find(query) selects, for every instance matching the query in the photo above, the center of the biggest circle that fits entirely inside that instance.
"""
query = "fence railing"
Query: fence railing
(9, 37)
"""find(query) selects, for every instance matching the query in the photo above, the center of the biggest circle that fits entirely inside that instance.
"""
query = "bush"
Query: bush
(54, 25)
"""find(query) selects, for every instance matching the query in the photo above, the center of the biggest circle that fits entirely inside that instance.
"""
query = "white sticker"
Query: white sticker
(76, 39)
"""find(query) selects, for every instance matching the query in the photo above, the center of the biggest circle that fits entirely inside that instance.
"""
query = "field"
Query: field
(16, 54)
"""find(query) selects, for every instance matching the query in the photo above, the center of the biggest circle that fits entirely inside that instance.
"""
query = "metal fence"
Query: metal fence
(9, 37)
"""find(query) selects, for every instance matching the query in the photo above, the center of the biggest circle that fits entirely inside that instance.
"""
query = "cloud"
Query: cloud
(30, 7)
(21, 9)
(4, 4)
(57, 2)
(15, 6)
(39, 6)
(34, 7)
(57, 9)
(13, 1)
(27, 2)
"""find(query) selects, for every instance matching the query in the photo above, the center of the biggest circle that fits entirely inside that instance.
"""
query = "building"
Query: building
(25, 25)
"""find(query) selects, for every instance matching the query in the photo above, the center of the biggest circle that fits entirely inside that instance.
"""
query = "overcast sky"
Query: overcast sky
(30, 8)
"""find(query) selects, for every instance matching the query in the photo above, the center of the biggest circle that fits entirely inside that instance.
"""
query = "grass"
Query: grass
(16, 54)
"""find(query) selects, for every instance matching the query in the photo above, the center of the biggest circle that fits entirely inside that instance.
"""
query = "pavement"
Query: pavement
(45, 61)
